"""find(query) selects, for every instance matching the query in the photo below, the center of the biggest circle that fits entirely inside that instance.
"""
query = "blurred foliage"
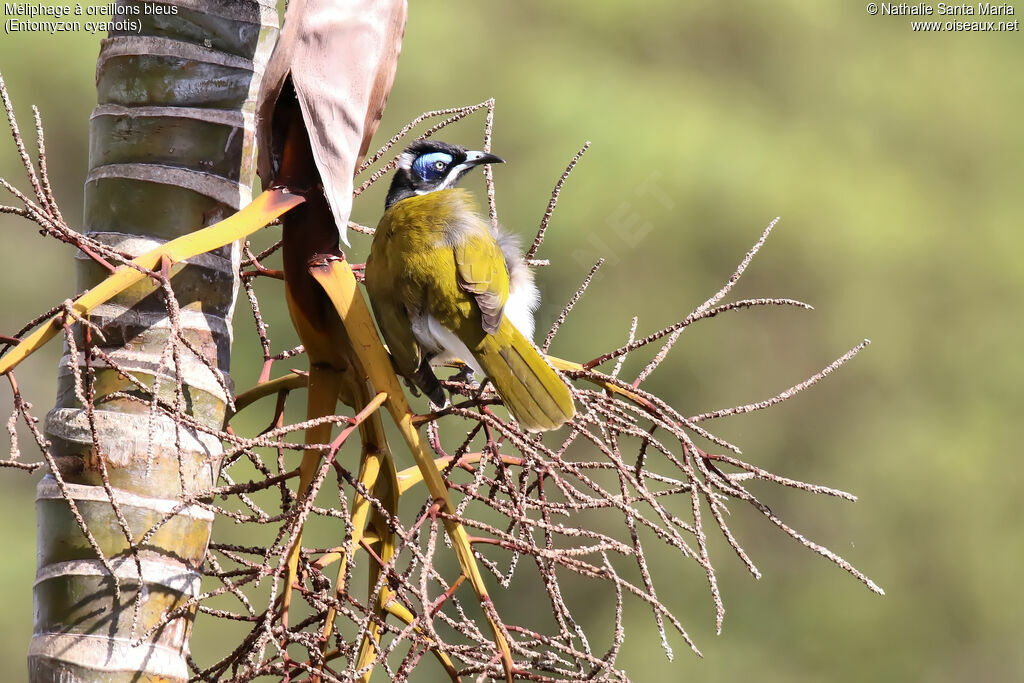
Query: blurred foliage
(894, 160)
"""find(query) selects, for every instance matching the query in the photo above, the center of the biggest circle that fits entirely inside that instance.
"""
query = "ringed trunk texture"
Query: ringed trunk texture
(171, 150)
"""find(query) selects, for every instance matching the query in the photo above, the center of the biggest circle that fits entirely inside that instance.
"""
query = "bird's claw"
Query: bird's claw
(466, 376)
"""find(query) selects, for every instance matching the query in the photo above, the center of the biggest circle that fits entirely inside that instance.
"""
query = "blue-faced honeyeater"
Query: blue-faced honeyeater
(446, 284)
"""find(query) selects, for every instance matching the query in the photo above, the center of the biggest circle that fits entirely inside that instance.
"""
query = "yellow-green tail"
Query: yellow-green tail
(531, 390)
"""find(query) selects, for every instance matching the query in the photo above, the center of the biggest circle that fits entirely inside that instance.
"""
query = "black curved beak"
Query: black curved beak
(478, 158)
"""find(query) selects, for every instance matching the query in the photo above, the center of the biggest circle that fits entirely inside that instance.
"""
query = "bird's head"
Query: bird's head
(431, 165)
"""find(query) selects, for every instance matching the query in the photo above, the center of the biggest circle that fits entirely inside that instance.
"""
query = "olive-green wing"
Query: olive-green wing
(397, 330)
(480, 269)
(406, 353)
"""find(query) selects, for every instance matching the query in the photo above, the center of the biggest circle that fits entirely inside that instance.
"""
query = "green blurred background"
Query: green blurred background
(894, 159)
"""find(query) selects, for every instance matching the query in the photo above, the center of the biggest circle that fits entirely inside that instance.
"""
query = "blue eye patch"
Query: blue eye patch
(432, 166)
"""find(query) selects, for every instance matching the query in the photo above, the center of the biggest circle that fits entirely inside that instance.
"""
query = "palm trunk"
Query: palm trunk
(171, 149)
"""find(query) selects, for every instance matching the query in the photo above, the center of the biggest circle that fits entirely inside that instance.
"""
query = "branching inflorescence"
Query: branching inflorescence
(585, 505)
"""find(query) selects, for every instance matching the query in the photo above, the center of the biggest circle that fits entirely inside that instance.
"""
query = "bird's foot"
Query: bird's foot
(465, 376)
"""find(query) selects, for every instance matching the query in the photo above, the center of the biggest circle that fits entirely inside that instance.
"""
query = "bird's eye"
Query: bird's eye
(431, 166)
